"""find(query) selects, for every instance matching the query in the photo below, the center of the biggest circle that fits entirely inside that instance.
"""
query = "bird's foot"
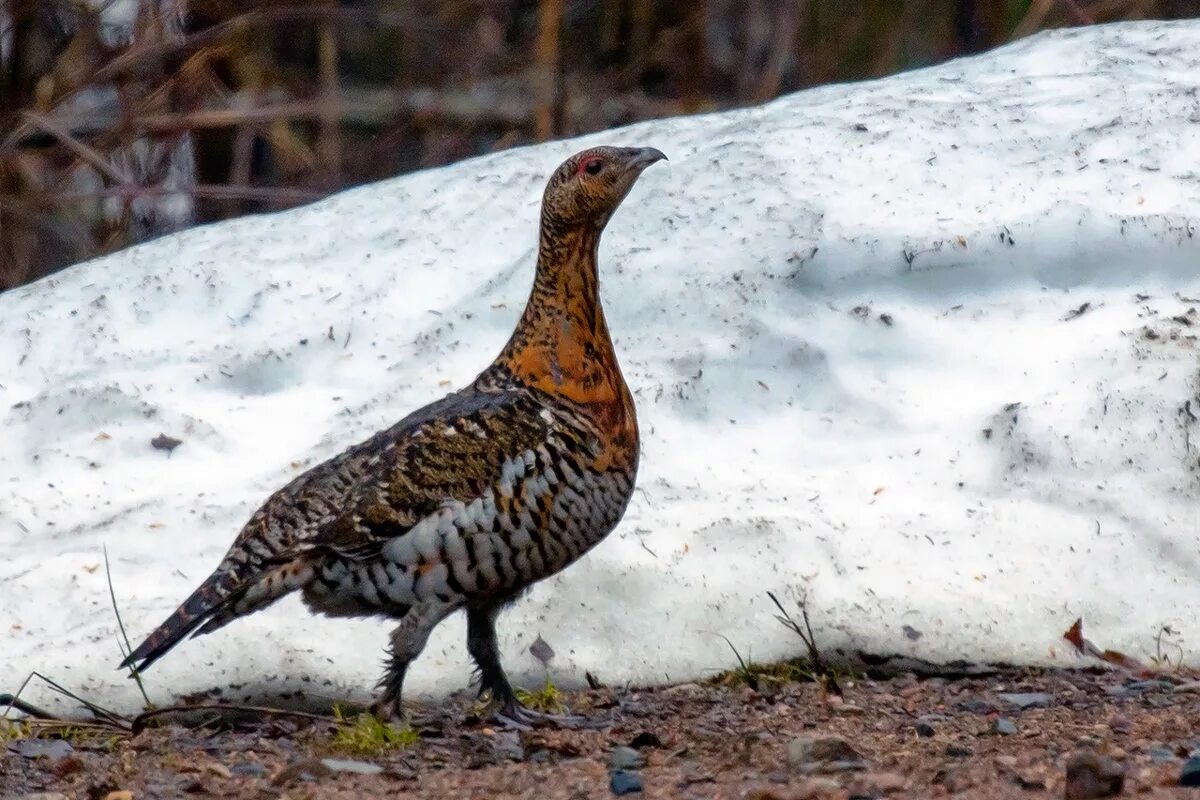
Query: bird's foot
(387, 711)
(516, 716)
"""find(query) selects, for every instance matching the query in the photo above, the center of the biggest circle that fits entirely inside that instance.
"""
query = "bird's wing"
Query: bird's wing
(454, 457)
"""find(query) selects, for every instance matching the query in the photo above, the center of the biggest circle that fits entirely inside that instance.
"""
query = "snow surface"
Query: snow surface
(848, 319)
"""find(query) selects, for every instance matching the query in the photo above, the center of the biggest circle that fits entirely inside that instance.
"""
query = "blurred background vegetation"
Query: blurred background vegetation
(122, 120)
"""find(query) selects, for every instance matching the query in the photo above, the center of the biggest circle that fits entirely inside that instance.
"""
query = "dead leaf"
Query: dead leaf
(878, 491)
(1084, 647)
(1076, 313)
(90, 568)
(962, 240)
(164, 442)
(541, 650)
(102, 437)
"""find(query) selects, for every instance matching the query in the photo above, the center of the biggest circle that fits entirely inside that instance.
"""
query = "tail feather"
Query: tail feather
(193, 613)
(215, 604)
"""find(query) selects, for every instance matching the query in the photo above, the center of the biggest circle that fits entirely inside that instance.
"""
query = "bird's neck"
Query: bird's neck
(561, 345)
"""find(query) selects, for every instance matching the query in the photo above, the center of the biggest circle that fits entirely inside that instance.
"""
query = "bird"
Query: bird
(467, 502)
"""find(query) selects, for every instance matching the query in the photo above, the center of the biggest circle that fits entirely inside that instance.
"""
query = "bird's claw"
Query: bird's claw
(516, 716)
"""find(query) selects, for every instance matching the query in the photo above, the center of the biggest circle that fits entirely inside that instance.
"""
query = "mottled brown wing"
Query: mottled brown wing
(453, 457)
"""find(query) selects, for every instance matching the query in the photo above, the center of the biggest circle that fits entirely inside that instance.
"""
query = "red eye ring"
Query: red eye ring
(591, 166)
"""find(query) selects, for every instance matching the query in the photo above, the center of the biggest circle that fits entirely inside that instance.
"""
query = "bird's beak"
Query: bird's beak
(644, 157)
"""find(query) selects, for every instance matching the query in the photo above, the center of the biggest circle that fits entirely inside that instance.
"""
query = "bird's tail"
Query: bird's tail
(194, 612)
(217, 602)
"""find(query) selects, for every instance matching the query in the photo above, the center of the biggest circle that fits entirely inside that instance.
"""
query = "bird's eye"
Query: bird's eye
(593, 166)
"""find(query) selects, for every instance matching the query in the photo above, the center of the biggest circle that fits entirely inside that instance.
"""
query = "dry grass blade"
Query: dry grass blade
(104, 716)
(11, 701)
(819, 668)
(127, 648)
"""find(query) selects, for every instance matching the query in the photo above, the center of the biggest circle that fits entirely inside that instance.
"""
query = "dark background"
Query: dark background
(209, 109)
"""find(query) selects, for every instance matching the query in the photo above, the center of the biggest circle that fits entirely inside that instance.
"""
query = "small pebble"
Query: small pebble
(626, 758)
(1189, 775)
(249, 768)
(1090, 775)
(1120, 724)
(1023, 700)
(356, 767)
(1004, 727)
(958, 751)
(540, 756)
(1137, 688)
(978, 706)
(508, 745)
(923, 728)
(823, 754)
(623, 782)
(49, 749)
(1162, 755)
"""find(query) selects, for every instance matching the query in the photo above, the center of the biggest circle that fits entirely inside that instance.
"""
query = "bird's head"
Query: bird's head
(587, 188)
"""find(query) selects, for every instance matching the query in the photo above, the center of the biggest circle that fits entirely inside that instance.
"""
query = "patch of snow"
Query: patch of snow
(924, 346)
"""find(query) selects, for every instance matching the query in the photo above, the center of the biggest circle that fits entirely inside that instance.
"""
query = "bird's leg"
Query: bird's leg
(408, 640)
(481, 644)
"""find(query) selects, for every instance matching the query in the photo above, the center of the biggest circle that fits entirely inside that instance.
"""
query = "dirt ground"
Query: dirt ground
(1011, 734)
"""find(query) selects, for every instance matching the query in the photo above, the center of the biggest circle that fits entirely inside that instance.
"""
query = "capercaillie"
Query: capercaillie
(464, 503)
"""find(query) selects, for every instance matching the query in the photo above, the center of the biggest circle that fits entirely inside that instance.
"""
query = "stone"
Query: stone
(1004, 726)
(49, 749)
(622, 783)
(977, 705)
(1023, 700)
(958, 751)
(924, 728)
(349, 765)
(1189, 774)
(249, 768)
(1162, 755)
(1138, 688)
(626, 758)
(1090, 775)
(508, 745)
(809, 754)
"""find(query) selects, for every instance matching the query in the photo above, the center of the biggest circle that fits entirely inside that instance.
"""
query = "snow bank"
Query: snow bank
(924, 346)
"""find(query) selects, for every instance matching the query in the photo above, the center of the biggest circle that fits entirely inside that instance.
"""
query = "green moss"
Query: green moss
(547, 699)
(365, 735)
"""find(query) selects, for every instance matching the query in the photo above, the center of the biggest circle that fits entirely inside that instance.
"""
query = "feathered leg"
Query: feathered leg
(408, 640)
